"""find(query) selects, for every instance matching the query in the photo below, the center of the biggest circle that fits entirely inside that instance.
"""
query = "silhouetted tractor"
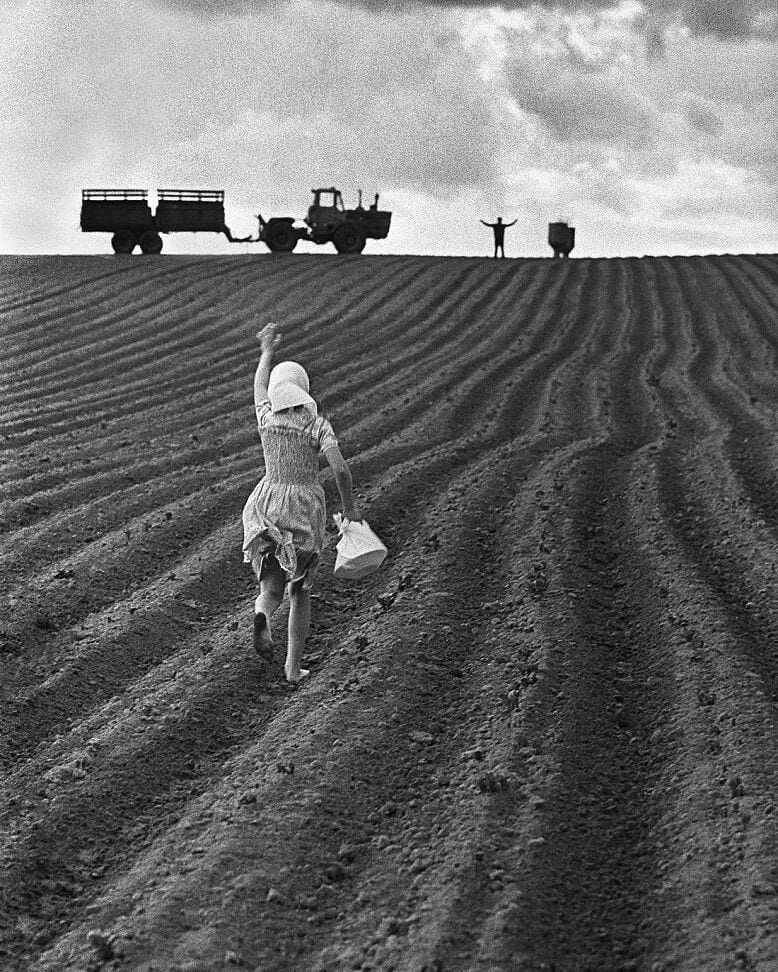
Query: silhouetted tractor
(126, 214)
(328, 221)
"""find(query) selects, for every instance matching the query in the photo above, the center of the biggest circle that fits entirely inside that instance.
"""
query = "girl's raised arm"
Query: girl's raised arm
(269, 339)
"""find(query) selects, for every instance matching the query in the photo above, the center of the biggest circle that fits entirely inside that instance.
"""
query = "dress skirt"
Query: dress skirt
(287, 521)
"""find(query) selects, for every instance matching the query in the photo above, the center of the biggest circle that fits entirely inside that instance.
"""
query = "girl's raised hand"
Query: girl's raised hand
(269, 338)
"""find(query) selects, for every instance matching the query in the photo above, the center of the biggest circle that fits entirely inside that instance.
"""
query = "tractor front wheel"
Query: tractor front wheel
(349, 239)
(280, 237)
(150, 242)
(123, 242)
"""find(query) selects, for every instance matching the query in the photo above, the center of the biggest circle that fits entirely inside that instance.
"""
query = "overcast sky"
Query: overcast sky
(648, 126)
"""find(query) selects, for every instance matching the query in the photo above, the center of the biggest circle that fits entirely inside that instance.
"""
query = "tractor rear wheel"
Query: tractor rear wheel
(150, 242)
(280, 237)
(349, 239)
(123, 242)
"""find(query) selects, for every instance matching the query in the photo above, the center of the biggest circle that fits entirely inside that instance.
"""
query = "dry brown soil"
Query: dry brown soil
(542, 737)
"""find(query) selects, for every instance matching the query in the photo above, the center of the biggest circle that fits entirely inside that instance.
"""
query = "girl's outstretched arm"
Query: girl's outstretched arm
(269, 339)
(343, 481)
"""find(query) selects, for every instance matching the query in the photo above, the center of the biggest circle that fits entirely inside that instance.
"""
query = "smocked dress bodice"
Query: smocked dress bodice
(291, 457)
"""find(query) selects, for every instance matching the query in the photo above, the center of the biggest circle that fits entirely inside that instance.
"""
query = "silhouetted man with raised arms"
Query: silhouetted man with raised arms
(499, 235)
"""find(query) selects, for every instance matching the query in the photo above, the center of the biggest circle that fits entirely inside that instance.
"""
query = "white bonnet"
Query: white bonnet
(288, 386)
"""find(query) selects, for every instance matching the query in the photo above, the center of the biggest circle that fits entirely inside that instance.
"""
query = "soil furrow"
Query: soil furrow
(755, 287)
(542, 736)
(191, 322)
(743, 354)
(586, 855)
(127, 568)
(741, 575)
(394, 665)
(717, 803)
(467, 913)
(114, 634)
(20, 295)
(37, 504)
(94, 324)
(227, 382)
(594, 863)
(707, 390)
(753, 347)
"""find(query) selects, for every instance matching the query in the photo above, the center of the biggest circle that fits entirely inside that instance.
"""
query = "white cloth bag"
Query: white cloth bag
(360, 552)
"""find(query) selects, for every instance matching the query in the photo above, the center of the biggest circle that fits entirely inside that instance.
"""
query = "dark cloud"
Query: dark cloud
(724, 18)
(702, 116)
(582, 107)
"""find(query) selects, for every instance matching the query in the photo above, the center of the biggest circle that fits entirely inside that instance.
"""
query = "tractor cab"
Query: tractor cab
(327, 208)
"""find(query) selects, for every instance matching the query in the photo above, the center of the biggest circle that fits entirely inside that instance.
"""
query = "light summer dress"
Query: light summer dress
(285, 514)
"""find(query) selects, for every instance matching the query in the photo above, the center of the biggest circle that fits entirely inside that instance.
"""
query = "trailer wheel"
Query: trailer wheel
(150, 242)
(123, 242)
(349, 239)
(280, 237)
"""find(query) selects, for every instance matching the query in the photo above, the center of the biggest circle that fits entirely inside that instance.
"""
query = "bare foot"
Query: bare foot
(296, 678)
(263, 641)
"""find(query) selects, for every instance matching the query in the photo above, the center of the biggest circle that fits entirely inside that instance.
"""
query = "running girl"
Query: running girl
(284, 517)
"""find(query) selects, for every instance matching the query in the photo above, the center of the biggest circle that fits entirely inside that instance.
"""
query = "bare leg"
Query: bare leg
(271, 593)
(299, 626)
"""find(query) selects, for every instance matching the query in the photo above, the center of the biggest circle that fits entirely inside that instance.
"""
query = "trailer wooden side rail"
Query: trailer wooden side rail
(113, 195)
(191, 195)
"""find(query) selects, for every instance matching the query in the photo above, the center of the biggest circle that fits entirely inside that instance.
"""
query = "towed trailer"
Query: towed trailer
(127, 216)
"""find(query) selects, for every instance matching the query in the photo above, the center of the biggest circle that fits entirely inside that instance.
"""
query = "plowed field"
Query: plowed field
(543, 736)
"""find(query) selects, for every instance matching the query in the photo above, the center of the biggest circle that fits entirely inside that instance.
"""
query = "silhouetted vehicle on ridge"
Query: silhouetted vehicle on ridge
(328, 221)
(561, 239)
(127, 215)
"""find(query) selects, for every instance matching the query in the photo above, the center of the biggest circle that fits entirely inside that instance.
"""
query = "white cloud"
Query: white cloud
(268, 104)
(615, 132)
